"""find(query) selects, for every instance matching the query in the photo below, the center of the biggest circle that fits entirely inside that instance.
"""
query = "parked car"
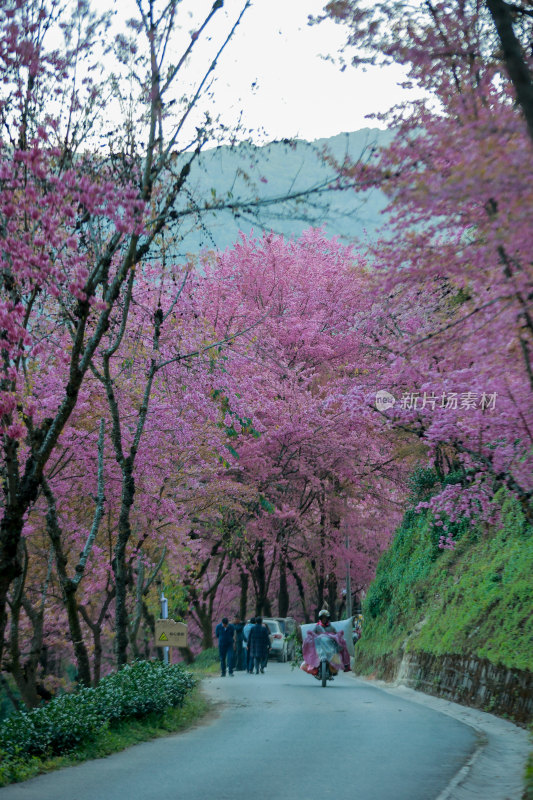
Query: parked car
(289, 626)
(280, 628)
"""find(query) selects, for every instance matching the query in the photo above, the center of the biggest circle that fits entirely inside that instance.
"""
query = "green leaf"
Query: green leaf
(233, 452)
(266, 504)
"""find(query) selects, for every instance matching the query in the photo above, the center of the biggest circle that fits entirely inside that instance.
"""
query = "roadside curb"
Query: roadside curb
(496, 768)
(461, 779)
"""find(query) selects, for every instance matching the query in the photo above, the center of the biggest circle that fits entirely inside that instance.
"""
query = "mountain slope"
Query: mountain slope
(253, 177)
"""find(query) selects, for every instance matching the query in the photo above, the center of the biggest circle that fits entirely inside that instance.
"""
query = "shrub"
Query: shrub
(422, 484)
(61, 725)
(141, 688)
(379, 596)
(68, 720)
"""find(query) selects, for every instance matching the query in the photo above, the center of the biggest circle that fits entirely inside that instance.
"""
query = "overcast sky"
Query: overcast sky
(273, 70)
(298, 93)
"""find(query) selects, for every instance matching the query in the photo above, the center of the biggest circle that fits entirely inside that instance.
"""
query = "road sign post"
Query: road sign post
(169, 633)
(164, 615)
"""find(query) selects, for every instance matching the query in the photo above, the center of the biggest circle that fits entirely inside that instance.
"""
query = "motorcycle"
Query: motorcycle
(322, 657)
(326, 649)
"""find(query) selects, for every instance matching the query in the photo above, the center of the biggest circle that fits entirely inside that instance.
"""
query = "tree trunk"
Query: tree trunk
(205, 621)
(11, 527)
(283, 594)
(259, 571)
(80, 651)
(121, 609)
(139, 602)
(149, 633)
(320, 591)
(119, 564)
(96, 629)
(244, 580)
(262, 603)
(140, 605)
(25, 674)
(332, 595)
(97, 657)
(68, 589)
(513, 58)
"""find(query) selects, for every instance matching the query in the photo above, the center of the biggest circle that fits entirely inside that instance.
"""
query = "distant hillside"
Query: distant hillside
(259, 175)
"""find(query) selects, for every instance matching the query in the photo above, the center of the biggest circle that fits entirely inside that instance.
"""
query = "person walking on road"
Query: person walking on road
(246, 632)
(259, 645)
(265, 660)
(240, 653)
(225, 634)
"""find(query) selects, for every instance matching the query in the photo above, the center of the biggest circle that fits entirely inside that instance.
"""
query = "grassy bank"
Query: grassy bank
(473, 600)
(528, 792)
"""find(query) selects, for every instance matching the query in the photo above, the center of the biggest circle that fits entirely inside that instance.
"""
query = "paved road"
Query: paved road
(280, 735)
(497, 767)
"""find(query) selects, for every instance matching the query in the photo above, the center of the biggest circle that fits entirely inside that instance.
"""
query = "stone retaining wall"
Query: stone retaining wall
(464, 679)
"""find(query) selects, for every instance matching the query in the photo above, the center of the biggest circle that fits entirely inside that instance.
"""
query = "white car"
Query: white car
(278, 640)
(289, 627)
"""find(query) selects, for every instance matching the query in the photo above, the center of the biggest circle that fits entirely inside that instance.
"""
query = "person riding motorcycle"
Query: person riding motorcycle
(324, 624)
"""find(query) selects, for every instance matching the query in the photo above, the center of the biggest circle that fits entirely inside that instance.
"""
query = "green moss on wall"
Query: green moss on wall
(475, 600)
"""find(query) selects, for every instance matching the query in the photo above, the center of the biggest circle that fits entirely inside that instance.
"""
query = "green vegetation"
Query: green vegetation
(69, 720)
(146, 700)
(143, 700)
(117, 737)
(207, 662)
(475, 599)
(528, 790)
(472, 600)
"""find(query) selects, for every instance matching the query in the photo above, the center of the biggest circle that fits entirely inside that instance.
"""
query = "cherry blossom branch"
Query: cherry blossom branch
(212, 67)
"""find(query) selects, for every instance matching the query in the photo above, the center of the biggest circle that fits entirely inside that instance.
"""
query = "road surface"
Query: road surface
(281, 735)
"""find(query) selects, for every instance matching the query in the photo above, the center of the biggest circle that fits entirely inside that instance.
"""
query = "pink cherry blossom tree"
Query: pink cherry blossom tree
(73, 225)
(303, 435)
(456, 251)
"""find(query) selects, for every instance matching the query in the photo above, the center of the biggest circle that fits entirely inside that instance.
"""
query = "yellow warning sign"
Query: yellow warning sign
(169, 633)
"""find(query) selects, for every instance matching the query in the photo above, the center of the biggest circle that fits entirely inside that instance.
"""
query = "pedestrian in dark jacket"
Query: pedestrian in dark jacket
(258, 644)
(239, 644)
(265, 660)
(225, 634)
